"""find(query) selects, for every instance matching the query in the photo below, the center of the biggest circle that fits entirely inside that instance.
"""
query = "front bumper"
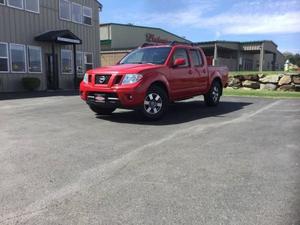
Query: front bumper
(119, 97)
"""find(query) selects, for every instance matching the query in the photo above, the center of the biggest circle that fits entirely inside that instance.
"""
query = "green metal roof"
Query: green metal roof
(154, 28)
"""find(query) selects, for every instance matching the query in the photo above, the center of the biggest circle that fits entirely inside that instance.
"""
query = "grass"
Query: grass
(268, 73)
(260, 93)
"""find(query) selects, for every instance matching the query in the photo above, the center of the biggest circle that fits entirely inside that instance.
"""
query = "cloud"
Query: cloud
(244, 17)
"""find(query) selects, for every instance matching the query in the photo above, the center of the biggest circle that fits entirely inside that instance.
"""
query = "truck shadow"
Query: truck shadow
(180, 112)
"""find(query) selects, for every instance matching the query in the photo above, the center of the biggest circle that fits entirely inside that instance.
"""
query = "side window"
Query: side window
(65, 10)
(87, 15)
(196, 58)
(32, 5)
(88, 61)
(181, 53)
(15, 3)
(76, 13)
(66, 61)
(18, 58)
(34, 55)
(3, 57)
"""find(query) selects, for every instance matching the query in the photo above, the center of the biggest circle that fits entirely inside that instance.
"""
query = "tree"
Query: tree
(293, 58)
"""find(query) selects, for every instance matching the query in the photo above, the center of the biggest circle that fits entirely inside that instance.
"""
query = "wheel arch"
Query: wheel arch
(162, 85)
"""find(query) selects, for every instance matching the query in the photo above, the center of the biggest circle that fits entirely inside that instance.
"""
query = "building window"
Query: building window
(66, 61)
(34, 59)
(32, 5)
(76, 13)
(3, 57)
(15, 3)
(87, 15)
(2, 2)
(79, 62)
(65, 10)
(88, 61)
(17, 58)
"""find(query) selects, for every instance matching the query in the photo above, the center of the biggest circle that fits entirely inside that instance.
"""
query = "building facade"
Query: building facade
(53, 40)
(119, 39)
(253, 55)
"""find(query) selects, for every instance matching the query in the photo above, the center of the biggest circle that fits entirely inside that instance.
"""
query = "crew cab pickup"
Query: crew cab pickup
(152, 76)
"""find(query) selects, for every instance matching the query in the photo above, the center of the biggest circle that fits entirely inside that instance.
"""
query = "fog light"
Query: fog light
(130, 97)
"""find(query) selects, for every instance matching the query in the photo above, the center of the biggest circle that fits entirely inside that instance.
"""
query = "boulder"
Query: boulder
(268, 86)
(251, 84)
(250, 77)
(234, 82)
(270, 79)
(286, 79)
(253, 77)
(261, 75)
(287, 87)
(296, 79)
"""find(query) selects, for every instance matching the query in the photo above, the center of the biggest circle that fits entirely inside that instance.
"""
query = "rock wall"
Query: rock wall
(276, 82)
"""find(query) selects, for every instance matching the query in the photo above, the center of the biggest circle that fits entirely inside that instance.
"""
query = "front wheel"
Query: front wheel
(102, 111)
(212, 98)
(155, 103)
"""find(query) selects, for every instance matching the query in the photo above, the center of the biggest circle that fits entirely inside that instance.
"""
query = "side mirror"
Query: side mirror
(179, 62)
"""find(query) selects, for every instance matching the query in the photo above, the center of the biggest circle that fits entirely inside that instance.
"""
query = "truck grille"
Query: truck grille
(102, 78)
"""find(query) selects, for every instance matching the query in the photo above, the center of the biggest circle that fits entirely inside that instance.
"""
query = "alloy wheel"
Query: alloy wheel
(153, 103)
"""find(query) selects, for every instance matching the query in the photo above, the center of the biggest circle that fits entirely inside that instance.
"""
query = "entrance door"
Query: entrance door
(52, 71)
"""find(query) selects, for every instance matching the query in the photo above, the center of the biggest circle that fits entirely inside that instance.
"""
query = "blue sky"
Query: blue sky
(206, 20)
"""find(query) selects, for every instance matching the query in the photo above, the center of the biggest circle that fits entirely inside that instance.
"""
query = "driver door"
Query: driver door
(181, 79)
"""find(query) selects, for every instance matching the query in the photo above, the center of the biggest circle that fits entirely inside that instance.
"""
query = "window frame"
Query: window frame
(28, 10)
(61, 62)
(28, 58)
(12, 6)
(84, 60)
(11, 60)
(7, 57)
(70, 10)
(3, 3)
(86, 7)
(81, 10)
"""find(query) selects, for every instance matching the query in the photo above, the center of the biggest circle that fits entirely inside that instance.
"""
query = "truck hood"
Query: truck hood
(125, 68)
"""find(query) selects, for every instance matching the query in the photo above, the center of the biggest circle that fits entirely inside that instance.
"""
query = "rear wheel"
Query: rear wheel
(102, 111)
(155, 103)
(212, 98)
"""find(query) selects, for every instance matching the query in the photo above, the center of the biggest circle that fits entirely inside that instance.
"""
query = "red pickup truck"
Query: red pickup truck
(152, 76)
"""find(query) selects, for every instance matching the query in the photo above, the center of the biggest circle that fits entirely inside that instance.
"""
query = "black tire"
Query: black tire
(212, 98)
(102, 111)
(155, 103)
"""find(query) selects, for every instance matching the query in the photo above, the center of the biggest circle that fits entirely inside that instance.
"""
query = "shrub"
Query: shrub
(31, 83)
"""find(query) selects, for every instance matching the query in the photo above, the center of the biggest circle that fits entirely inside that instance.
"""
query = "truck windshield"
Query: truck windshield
(147, 55)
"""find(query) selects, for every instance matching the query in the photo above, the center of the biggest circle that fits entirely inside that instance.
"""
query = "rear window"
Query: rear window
(196, 57)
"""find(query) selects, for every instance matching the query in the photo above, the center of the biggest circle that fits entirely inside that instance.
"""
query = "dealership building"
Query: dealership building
(55, 41)
(119, 39)
(252, 55)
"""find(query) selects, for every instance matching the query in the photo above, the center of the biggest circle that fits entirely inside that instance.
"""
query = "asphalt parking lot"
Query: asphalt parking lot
(235, 164)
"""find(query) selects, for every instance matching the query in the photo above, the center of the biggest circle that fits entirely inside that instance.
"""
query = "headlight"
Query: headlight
(86, 78)
(132, 78)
